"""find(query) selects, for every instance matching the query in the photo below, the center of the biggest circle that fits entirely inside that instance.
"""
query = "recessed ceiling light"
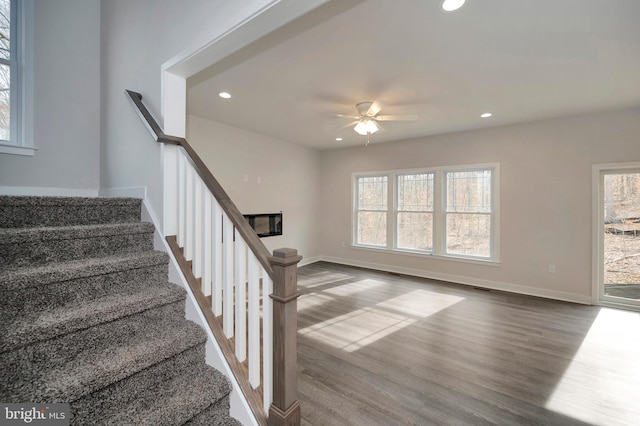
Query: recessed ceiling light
(451, 5)
(224, 95)
(338, 139)
(486, 115)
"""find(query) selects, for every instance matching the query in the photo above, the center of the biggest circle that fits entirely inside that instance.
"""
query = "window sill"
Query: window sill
(472, 260)
(16, 150)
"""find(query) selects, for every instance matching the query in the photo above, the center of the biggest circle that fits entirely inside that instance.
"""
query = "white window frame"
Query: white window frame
(597, 237)
(356, 209)
(21, 103)
(439, 213)
(397, 211)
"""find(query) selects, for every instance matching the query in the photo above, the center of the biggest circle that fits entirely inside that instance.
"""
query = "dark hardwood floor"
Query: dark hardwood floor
(381, 349)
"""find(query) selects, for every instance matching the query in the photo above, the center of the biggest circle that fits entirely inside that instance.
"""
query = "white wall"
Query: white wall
(264, 175)
(66, 100)
(545, 198)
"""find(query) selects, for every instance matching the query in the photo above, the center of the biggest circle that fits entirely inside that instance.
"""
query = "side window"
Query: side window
(16, 77)
(7, 67)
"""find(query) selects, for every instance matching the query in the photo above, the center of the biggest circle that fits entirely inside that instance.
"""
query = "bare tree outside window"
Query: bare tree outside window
(5, 69)
(415, 211)
(372, 210)
(622, 234)
(468, 214)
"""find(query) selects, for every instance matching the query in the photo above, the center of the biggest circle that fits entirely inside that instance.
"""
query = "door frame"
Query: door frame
(597, 239)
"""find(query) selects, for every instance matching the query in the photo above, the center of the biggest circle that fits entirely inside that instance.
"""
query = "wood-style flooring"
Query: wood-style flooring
(382, 349)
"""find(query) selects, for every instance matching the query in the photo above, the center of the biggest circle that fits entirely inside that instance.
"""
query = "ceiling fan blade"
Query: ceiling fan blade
(411, 117)
(353, 123)
(348, 116)
(374, 109)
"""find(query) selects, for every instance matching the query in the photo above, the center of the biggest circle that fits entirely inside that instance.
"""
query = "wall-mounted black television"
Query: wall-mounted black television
(265, 224)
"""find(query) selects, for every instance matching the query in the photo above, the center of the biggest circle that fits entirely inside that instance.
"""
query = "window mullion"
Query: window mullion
(439, 217)
(391, 210)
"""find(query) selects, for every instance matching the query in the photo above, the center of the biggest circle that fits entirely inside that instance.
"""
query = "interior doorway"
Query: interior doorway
(618, 230)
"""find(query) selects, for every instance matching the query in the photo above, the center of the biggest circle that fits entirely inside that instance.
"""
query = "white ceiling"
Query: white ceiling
(522, 60)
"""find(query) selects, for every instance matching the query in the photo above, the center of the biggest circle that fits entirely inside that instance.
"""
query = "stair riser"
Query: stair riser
(19, 212)
(47, 296)
(103, 403)
(34, 253)
(216, 414)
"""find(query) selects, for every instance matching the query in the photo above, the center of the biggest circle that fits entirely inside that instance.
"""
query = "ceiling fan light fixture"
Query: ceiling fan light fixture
(366, 126)
(452, 5)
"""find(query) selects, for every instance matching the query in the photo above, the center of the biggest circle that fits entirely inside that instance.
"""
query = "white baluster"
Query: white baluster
(189, 202)
(267, 340)
(196, 266)
(216, 254)
(254, 319)
(182, 203)
(227, 276)
(206, 241)
(241, 298)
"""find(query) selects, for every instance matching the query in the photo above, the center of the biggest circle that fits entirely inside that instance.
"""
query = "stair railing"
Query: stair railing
(230, 272)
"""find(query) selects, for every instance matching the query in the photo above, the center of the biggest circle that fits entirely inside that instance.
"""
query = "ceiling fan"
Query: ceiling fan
(367, 122)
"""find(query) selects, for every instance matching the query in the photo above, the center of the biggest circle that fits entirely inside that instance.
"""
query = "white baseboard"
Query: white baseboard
(131, 192)
(457, 279)
(47, 191)
(309, 260)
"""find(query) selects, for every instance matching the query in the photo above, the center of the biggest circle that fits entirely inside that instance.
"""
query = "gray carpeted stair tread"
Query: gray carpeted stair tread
(46, 233)
(174, 401)
(88, 317)
(104, 401)
(25, 211)
(37, 246)
(22, 327)
(79, 363)
(26, 277)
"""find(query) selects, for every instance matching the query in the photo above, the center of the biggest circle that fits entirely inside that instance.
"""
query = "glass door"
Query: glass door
(619, 216)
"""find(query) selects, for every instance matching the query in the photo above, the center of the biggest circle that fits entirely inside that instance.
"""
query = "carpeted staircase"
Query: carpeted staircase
(88, 317)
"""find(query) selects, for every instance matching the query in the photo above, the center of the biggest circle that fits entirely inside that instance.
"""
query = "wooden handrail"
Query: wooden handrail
(242, 226)
(284, 409)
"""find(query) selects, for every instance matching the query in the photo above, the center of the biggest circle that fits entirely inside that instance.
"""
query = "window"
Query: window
(468, 213)
(371, 211)
(414, 212)
(446, 211)
(7, 65)
(16, 74)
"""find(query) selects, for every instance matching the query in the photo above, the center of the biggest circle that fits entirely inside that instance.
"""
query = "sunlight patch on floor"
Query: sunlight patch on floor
(359, 328)
(309, 301)
(601, 375)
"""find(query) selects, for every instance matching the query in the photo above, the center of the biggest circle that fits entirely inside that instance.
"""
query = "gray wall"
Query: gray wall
(138, 37)
(66, 128)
